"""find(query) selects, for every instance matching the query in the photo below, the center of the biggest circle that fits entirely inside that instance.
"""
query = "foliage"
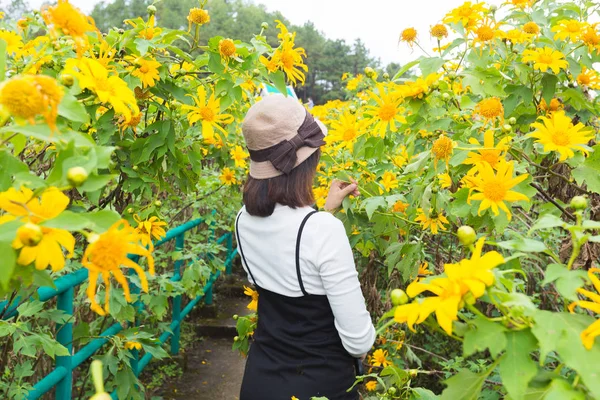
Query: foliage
(327, 58)
(497, 133)
(106, 142)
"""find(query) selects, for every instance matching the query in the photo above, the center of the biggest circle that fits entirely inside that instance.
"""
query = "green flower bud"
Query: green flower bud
(76, 176)
(579, 203)
(466, 235)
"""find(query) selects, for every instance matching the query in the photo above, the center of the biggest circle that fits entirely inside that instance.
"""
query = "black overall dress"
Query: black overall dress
(296, 349)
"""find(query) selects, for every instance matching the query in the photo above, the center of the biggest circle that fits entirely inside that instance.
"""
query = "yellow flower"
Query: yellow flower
(227, 48)
(320, 193)
(442, 148)
(68, 20)
(557, 133)
(555, 105)
(253, 305)
(424, 269)
(295, 398)
(545, 58)
(490, 109)
(589, 77)
(104, 54)
(145, 69)
(591, 38)
(208, 111)
(132, 123)
(354, 82)
(1, 15)
(495, 188)
(387, 111)
(227, 177)
(434, 221)
(446, 303)
(439, 31)
(379, 358)
(521, 4)
(14, 42)
(346, 130)
(182, 69)
(445, 180)
(133, 345)
(21, 204)
(400, 159)
(105, 255)
(516, 36)
(485, 32)
(531, 28)
(238, 155)
(371, 386)
(568, 29)
(289, 60)
(149, 229)
(400, 207)
(150, 31)
(475, 274)
(198, 16)
(591, 332)
(27, 96)
(409, 35)
(490, 154)
(389, 181)
(467, 14)
(94, 76)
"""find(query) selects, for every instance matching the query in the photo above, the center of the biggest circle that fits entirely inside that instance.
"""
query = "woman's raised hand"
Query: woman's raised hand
(338, 192)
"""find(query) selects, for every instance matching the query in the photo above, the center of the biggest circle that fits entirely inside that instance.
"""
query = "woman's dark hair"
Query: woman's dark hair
(293, 190)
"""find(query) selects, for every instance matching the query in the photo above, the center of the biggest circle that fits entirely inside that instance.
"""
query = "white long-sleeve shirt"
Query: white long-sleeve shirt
(326, 265)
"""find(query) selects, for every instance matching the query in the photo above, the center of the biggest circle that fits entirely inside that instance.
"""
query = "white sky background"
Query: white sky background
(377, 22)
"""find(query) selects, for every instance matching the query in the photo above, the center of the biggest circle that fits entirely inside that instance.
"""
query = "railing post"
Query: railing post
(135, 354)
(179, 242)
(64, 336)
(229, 251)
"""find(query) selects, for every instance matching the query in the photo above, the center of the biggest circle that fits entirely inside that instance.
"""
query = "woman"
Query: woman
(312, 319)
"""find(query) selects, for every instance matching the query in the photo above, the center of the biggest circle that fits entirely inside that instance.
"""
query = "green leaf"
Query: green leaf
(72, 109)
(516, 367)
(589, 171)
(405, 68)
(68, 220)
(561, 333)
(466, 385)
(9, 165)
(278, 79)
(9, 261)
(560, 390)
(373, 203)
(398, 376)
(567, 282)
(95, 182)
(430, 65)
(30, 308)
(547, 221)
(523, 244)
(417, 165)
(422, 394)
(485, 335)
(549, 82)
(102, 220)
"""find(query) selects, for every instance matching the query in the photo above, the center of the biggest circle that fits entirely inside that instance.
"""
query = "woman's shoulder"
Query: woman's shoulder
(323, 220)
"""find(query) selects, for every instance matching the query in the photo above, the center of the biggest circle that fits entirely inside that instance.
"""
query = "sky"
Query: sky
(377, 22)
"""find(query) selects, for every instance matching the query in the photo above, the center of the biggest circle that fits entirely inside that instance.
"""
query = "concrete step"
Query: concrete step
(216, 321)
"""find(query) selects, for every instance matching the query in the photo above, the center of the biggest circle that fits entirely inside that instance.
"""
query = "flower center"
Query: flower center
(545, 59)
(387, 112)
(560, 138)
(287, 59)
(144, 69)
(494, 191)
(583, 79)
(573, 26)
(349, 134)
(485, 33)
(207, 114)
(108, 253)
(491, 157)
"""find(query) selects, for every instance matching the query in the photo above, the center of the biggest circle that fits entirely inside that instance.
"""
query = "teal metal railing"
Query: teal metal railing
(61, 376)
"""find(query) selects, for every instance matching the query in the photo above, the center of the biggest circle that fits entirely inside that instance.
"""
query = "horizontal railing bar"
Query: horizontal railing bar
(172, 233)
(92, 347)
(47, 383)
(62, 284)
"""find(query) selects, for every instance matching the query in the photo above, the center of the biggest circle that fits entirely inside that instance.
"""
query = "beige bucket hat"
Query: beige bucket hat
(280, 134)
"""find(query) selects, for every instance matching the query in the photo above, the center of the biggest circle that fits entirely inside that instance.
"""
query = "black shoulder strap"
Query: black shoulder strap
(298, 251)
(237, 235)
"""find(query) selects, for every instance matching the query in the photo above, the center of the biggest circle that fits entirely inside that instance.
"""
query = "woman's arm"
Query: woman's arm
(340, 281)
